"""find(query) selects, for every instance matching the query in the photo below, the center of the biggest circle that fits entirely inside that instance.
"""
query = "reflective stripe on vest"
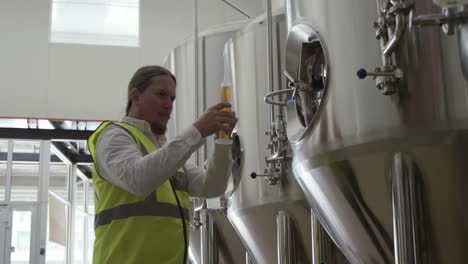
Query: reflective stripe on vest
(149, 207)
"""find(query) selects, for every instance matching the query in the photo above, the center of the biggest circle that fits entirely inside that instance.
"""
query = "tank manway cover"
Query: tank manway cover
(306, 69)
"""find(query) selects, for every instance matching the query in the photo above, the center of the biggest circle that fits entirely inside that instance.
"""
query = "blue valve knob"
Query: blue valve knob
(362, 73)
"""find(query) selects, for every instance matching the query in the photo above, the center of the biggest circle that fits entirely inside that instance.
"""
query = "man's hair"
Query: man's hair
(142, 79)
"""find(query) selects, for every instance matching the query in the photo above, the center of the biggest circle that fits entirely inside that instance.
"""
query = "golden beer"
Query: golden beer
(225, 98)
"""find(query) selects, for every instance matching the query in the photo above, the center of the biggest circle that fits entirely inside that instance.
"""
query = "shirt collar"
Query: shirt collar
(145, 128)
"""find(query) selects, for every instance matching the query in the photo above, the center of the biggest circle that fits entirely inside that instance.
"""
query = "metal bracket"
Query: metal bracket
(451, 18)
(390, 28)
(448, 19)
(268, 96)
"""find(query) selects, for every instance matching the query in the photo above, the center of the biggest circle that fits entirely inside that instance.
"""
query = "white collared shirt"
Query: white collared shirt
(120, 162)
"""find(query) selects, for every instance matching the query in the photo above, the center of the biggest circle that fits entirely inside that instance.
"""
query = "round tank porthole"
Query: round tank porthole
(306, 70)
(237, 156)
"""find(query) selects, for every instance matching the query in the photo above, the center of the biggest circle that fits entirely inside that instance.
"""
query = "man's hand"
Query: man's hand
(214, 120)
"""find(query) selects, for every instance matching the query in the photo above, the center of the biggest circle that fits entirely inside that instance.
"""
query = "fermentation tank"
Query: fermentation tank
(377, 118)
(212, 238)
(266, 207)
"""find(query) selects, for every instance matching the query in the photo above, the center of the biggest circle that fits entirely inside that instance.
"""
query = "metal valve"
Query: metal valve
(271, 178)
(363, 73)
(254, 175)
(386, 80)
(390, 29)
(395, 17)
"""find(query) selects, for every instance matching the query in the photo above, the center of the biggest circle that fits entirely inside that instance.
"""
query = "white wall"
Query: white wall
(23, 57)
(87, 82)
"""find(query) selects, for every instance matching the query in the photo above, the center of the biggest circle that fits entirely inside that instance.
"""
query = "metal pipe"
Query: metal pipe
(73, 213)
(278, 71)
(289, 14)
(268, 96)
(236, 8)
(42, 201)
(462, 34)
(9, 170)
(285, 246)
(270, 56)
(292, 13)
(405, 211)
(195, 18)
(395, 36)
(206, 238)
(324, 250)
(315, 235)
(417, 225)
(248, 260)
(214, 243)
(383, 38)
(204, 96)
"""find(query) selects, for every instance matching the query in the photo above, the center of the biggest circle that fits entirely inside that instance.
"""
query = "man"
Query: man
(142, 182)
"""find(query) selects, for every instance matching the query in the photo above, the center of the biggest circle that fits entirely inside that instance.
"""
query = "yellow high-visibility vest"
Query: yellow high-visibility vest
(136, 229)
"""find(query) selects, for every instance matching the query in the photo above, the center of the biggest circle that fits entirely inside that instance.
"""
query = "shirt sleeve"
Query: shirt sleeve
(211, 181)
(120, 162)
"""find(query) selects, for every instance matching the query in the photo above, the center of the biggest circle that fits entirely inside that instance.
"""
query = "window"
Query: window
(99, 22)
(79, 238)
(91, 238)
(80, 194)
(90, 215)
(58, 221)
(25, 171)
(21, 237)
(3, 168)
(83, 208)
(58, 181)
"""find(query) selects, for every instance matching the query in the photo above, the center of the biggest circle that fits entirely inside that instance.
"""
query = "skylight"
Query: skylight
(96, 22)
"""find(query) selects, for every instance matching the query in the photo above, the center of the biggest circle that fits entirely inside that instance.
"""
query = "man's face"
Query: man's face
(155, 103)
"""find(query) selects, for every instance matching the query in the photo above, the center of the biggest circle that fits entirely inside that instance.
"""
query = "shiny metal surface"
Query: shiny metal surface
(344, 159)
(238, 156)
(215, 241)
(323, 248)
(248, 260)
(208, 240)
(453, 17)
(285, 240)
(408, 226)
(255, 204)
(306, 70)
(297, 35)
(228, 247)
(463, 45)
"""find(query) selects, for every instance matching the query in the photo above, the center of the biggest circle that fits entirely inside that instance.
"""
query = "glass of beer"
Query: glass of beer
(225, 98)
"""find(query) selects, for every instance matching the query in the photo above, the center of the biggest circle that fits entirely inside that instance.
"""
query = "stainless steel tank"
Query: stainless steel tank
(212, 238)
(382, 162)
(270, 212)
